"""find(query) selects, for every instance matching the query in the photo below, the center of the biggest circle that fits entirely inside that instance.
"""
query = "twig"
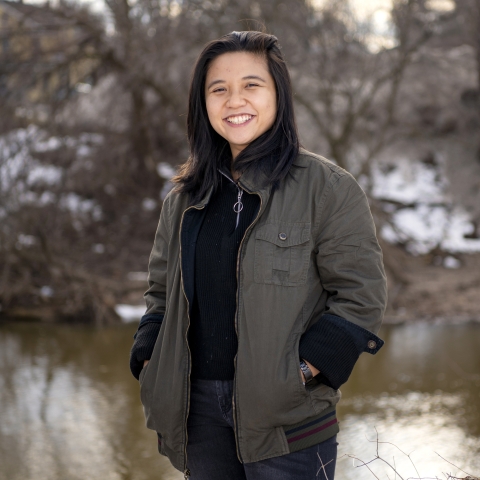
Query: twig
(398, 448)
(469, 474)
(394, 466)
(323, 466)
(363, 464)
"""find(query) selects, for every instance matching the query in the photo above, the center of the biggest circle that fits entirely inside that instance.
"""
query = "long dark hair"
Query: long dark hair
(272, 153)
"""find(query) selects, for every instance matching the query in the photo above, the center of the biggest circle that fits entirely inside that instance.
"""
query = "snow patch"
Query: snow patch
(46, 291)
(46, 174)
(451, 262)
(408, 182)
(76, 204)
(422, 216)
(149, 204)
(48, 145)
(98, 248)
(26, 241)
(84, 150)
(130, 313)
(165, 170)
(138, 276)
(80, 206)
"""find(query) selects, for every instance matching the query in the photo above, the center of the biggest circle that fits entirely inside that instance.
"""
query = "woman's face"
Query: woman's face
(241, 98)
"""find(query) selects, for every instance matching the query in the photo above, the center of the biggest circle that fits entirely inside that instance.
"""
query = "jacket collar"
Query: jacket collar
(254, 182)
(204, 200)
(250, 182)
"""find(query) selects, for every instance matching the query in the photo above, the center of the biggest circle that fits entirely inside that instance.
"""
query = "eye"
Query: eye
(252, 85)
(220, 89)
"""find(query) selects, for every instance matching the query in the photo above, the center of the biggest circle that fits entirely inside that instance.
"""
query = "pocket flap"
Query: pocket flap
(284, 235)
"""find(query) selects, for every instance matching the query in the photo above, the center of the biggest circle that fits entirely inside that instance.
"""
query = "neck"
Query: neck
(235, 175)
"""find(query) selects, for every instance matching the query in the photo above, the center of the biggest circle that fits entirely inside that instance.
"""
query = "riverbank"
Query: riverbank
(437, 288)
(434, 288)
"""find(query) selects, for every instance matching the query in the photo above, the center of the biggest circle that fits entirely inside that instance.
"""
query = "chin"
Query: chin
(241, 142)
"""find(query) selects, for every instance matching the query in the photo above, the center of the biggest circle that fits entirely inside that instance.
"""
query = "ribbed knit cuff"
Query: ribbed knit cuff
(333, 345)
(145, 338)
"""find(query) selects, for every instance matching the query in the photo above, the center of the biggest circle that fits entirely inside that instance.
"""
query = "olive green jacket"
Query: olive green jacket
(310, 251)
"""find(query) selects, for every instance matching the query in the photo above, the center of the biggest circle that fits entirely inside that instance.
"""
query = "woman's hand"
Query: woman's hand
(311, 367)
(146, 361)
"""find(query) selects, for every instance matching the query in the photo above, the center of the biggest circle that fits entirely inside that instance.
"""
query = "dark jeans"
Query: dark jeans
(211, 449)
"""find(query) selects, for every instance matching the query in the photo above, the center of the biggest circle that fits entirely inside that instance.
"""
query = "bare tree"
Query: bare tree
(467, 13)
(109, 111)
(90, 118)
(351, 92)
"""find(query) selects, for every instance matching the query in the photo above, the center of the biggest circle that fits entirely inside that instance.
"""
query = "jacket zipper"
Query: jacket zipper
(235, 422)
(238, 207)
(186, 472)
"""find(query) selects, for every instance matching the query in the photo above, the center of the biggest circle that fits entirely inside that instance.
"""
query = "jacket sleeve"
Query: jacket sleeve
(145, 338)
(155, 296)
(350, 266)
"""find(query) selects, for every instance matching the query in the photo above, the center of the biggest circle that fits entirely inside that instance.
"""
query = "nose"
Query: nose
(236, 100)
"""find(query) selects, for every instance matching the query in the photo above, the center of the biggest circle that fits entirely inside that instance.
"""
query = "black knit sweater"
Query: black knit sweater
(212, 335)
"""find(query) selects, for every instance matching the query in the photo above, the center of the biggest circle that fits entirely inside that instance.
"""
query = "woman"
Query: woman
(265, 283)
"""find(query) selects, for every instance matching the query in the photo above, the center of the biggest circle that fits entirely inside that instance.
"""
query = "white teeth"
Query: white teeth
(237, 120)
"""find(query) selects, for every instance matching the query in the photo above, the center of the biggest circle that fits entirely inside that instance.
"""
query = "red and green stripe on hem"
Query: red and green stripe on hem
(312, 431)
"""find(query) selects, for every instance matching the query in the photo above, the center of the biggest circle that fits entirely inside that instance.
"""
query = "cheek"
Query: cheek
(272, 109)
(212, 112)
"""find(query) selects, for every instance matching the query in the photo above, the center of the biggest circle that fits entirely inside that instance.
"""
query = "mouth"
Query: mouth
(239, 119)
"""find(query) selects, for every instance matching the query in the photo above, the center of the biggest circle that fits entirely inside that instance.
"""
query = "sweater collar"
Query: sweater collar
(249, 181)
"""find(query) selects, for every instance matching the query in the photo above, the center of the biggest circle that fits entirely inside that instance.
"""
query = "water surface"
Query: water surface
(69, 408)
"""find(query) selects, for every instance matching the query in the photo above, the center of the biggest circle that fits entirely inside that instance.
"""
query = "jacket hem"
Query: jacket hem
(312, 431)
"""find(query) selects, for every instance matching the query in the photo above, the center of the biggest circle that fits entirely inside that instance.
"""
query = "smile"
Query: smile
(239, 119)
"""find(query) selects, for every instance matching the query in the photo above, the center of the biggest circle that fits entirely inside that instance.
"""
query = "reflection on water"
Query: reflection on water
(69, 408)
(415, 424)
(420, 393)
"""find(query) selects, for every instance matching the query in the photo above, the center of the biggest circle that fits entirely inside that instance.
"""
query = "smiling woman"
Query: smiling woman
(265, 280)
(240, 107)
(244, 73)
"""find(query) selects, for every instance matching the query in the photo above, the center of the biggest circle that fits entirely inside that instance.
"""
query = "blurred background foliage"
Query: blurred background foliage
(92, 125)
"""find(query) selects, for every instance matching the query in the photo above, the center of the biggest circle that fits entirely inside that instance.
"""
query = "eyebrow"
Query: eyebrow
(248, 77)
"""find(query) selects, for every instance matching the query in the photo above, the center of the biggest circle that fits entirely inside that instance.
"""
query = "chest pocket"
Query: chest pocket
(282, 253)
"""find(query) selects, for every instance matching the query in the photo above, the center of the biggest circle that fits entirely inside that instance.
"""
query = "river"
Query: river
(69, 408)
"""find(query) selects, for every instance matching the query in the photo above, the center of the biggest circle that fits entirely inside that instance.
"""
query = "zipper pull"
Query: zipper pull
(238, 207)
(186, 474)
